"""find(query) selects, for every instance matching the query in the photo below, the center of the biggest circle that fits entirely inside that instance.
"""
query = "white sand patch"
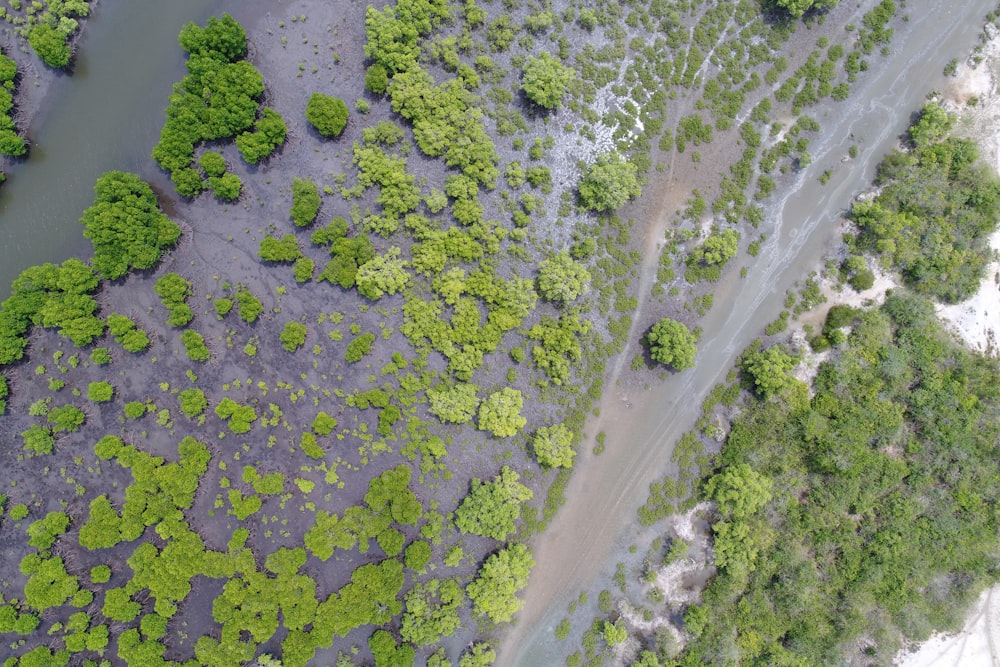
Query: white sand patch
(977, 320)
(976, 644)
(809, 366)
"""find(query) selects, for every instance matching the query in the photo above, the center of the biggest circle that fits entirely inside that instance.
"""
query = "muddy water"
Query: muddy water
(594, 530)
(107, 115)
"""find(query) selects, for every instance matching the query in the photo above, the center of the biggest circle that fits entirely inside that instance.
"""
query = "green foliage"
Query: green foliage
(456, 404)
(124, 330)
(931, 220)
(241, 417)
(305, 201)
(500, 413)
(479, 654)
(383, 274)
(432, 611)
(770, 370)
(553, 446)
(285, 249)
(212, 163)
(303, 269)
(492, 508)
(932, 126)
(706, 261)
(50, 45)
(43, 532)
(545, 80)
(672, 343)
(608, 183)
(837, 505)
(49, 584)
(370, 598)
(558, 345)
(389, 494)
(218, 99)
(417, 556)
(249, 305)
(38, 439)
(66, 418)
(174, 291)
(494, 590)
(125, 225)
(194, 346)
(327, 114)
(359, 347)
(446, 122)
(192, 402)
(226, 187)
(323, 424)
(562, 279)
(796, 8)
(614, 633)
(100, 574)
(387, 654)
(243, 506)
(293, 336)
(269, 132)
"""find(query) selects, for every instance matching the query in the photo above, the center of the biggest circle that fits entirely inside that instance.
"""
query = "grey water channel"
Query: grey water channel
(106, 115)
(594, 530)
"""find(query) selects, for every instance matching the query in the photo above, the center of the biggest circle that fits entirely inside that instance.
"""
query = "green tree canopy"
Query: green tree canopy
(327, 114)
(739, 491)
(49, 44)
(797, 8)
(383, 274)
(770, 370)
(672, 343)
(609, 183)
(492, 508)
(305, 201)
(553, 446)
(933, 125)
(562, 279)
(494, 590)
(545, 80)
(500, 413)
(431, 611)
(125, 225)
(456, 405)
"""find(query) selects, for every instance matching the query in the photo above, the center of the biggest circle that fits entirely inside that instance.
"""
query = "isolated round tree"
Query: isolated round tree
(609, 182)
(500, 413)
(554, 446)
(327, 114)
(770, 370)
(561, 278)
(545, 80)
(672, 343)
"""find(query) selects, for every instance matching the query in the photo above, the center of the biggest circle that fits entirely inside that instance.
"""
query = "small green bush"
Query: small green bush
(100, 392)
(327, 114)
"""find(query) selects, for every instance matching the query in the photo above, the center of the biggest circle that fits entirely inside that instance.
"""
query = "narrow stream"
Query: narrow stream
(594, 530)
(107, 115)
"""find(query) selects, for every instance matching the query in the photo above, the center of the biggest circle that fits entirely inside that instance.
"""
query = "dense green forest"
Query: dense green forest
(858, 511)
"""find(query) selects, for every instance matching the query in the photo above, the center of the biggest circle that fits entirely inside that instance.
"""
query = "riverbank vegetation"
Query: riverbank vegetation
(853, 513)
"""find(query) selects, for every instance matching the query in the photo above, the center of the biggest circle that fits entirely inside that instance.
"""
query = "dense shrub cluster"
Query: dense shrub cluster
(218, 99)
